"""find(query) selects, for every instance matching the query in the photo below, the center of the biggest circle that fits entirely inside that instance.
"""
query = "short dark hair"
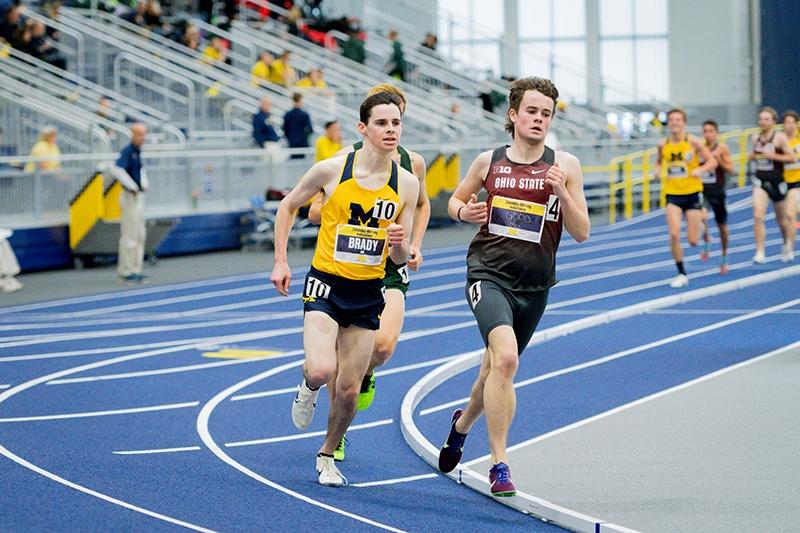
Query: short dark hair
(678, 110)
(518, 89)
(790, 113)
(711, 122)
(376, 99)
(296, 97)
(330, 123)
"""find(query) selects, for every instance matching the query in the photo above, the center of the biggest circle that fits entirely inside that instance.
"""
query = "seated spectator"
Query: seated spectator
(46, 147)
(216, 52)
(313, 80)
(9, 267)
(293, 20)
(10, 22)
(262, 69)
(429, 45)
(137, 14)
(263, 130)
(353, 48)
(191, 38)
(283, 72)
(39, 46)
(330, 142)
(53, 11)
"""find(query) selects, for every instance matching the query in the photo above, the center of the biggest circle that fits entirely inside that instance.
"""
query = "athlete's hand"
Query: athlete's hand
(281, 277)
(414, 258)
(396, 233)
(696, 173)
(556, 178)
(474, 211)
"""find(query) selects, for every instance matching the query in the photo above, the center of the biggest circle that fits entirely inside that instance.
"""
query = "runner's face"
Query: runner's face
(384, 127)
(532, 121)
(790, 127)
(765, 121)
(710, 134)
(676, 123)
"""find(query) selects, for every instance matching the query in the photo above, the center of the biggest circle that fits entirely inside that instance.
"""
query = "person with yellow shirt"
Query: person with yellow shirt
(367, 213)
(313, 80)
(46, 147)
(678, 166)
(262, 69)
(216, 52)
(329, 144)
(283, 72)
(791, 175)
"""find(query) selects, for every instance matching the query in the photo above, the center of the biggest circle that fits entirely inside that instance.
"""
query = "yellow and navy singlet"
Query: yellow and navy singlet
(352, 241)
(791, 171)
(677, 162)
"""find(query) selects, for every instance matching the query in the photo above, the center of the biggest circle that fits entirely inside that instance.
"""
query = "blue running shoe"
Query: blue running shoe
(450, 453)
(500, 479)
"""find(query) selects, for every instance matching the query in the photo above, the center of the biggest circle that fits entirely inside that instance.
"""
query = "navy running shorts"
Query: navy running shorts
(349, 302)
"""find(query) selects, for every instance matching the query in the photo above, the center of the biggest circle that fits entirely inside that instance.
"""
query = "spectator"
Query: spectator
(39, 47)
(133, 178)
(353, 48)
(429, 45)
(105, 111)
(262, 69)
(263, 130)
(330, 142)
(313, 80)
(9, 21)
(283, 72)
(9, 267)
(396, 66)
(216, 52)
(297, 126)
(191, 38)
(137, 14)
(46, 147)
(293, 19)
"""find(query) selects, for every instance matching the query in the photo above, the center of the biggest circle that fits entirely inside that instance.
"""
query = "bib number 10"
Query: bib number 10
(316, 288)
(384, 210)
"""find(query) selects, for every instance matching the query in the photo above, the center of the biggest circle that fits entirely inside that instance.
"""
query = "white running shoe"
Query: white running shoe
(328, 473)
(679, 281)
(759, 258)
(303, 406)
(787, 254)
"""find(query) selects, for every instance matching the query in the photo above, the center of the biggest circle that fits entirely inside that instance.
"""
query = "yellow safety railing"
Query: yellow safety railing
(436, 176)
(85, 209)
(622, 169)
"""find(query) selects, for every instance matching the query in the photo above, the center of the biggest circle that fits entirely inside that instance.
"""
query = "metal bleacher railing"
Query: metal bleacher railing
(633, 185)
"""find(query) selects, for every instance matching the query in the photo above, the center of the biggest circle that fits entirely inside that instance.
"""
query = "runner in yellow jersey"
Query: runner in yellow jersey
(678, 167)
(367, 214)
(791, 175)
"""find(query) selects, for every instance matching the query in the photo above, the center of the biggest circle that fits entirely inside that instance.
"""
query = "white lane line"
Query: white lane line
(652, 397)
(160, 450)
(394, 481)
(211, 444)
(632, 351)
(378, 373)
(4, 386)
(89, 414)
(13, 391)
(308, 435)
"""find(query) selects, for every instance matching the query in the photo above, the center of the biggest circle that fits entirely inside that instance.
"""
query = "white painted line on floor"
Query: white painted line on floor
(394, 481)
(308, 435)
(4, 386)
(112, 412)
(211, 444)
(161, 450)
(632, 351)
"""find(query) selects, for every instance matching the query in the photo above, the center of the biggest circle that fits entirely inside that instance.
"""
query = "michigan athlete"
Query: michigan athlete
(678, 166)
(771, 150)
(396, 279)
(366, 215)
(714, 192)
(534, 192)
(791, 175)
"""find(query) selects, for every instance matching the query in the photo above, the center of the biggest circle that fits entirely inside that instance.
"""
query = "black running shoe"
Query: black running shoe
(451, 451)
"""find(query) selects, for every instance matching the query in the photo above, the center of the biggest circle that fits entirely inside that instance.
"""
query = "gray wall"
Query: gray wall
(710, 58)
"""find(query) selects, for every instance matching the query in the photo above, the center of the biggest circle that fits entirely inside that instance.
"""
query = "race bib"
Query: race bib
(361, 245)
(709, 177)
(764, 164)
(677, 171)
(517, 219)
(315, 288)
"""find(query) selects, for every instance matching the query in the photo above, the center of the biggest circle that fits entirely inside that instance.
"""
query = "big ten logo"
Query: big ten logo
(501, 169)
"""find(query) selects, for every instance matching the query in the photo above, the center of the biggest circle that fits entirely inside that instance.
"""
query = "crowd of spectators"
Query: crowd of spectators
(31, 36)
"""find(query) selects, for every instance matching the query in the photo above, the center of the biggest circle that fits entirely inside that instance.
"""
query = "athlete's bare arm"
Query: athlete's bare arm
(752, 153)
(782, 143)
(422, 212)
(402, 227)
(723, 155)
(463, 204)
(705, 154)
(320, 176)
(657, 167)
(566, 179)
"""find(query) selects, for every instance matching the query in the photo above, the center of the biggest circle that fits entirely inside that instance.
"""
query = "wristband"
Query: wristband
(458, 213)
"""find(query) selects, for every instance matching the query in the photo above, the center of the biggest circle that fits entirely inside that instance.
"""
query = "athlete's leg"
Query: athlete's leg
(355, 346)
(389, 331)
(319, 343)
(760, 201)
(706, 235)
(694, 223)
(792, 198)
(499, 397)
(474, 409)
(674, 215)
(782, 216)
